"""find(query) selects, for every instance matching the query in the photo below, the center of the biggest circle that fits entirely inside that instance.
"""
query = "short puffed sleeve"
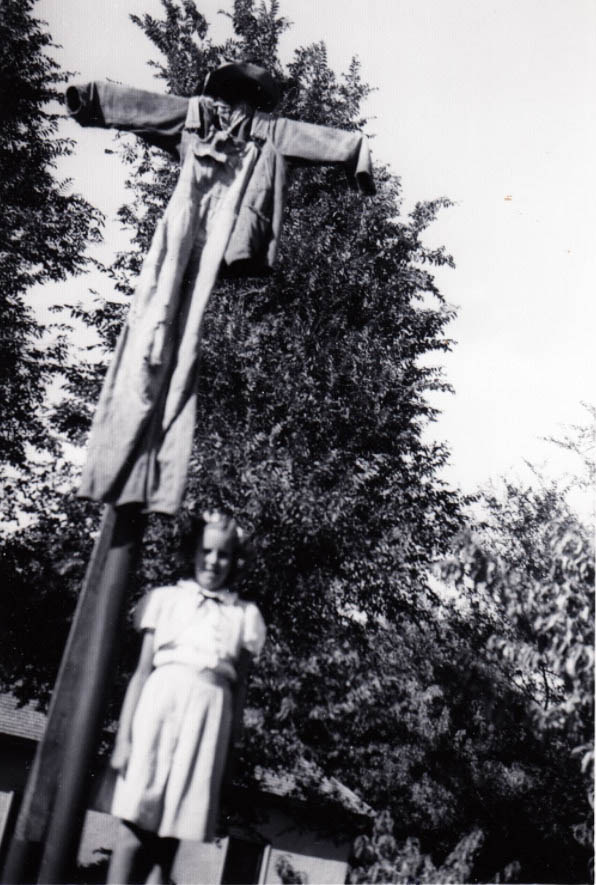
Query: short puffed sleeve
(254, 630)
(148, 610)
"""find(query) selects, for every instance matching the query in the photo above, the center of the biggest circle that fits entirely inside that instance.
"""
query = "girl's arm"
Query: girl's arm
(253, 638)
(239, 699)
(240, 691)
(131, 698)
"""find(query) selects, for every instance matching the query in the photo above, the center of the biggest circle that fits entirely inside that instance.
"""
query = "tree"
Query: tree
(504, 701)
(527, 571)
(44, 229)
(312, 400)
(579, 441)
(41, 571)
(382, 859)
(312, 405)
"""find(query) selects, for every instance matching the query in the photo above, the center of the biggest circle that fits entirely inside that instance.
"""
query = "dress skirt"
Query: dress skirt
(180, 737)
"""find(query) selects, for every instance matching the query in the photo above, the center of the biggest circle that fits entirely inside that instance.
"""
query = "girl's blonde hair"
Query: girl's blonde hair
(228, 525)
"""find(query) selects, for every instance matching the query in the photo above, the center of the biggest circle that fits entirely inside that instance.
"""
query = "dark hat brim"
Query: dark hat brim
(243, 81)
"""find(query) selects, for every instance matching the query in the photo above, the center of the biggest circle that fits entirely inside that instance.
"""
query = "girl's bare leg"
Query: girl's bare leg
(132, 858)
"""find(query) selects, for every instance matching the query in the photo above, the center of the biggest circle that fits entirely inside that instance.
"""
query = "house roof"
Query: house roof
(25, 721)
(20, 720)
(288, 785)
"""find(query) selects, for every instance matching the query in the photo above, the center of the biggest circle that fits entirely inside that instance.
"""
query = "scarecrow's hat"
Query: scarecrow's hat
(243, 81)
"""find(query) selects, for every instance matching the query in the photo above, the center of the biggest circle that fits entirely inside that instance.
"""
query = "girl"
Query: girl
(175, 725)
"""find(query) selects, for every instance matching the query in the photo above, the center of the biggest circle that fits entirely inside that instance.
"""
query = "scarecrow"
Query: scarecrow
(226, 211)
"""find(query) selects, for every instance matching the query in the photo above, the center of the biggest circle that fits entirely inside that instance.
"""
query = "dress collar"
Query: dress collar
(226, 597)
(223, 595)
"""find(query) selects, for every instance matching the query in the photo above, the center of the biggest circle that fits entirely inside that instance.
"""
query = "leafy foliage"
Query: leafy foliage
(382, 859)
(44, 228)
(41, 569)
(538, 574)
(527, 572)
(494, 720)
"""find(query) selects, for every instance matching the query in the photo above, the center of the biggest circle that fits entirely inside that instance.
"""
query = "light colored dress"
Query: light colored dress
(182, 722)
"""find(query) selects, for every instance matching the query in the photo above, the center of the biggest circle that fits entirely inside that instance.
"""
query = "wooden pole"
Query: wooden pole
(53, 807)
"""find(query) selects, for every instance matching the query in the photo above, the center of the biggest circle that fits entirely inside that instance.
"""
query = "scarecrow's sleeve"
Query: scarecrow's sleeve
(309, 143)
(157, 118)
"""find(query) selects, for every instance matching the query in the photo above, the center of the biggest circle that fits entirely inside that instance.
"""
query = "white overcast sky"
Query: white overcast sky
(488, 102)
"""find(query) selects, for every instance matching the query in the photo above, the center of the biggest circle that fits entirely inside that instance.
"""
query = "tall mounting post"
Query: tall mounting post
(52, 813)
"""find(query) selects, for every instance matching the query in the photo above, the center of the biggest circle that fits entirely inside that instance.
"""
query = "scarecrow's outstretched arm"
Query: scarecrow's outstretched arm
(156, 117)
(309, 143)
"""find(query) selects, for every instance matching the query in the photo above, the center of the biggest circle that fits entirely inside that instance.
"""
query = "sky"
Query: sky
(490, 103)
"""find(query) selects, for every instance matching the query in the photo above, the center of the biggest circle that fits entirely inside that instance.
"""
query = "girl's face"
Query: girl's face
(215, 558)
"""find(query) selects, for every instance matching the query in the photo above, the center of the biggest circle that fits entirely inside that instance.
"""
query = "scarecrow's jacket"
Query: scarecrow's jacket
(161, 120)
